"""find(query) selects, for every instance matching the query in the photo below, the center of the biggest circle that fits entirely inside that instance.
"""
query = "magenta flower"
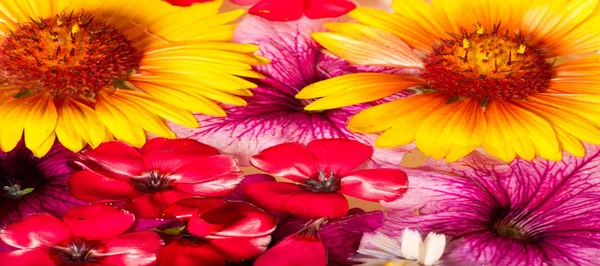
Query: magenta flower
(86, 235)
(323, 171)
(301, 241)
(273, 116)
(29, 184)
(150, 179)
(524, 213)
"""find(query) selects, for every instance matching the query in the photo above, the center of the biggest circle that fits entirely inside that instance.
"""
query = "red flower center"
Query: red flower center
(322, 183)
(153, 181)
(75, 251)
(67, 56)
(488, 66)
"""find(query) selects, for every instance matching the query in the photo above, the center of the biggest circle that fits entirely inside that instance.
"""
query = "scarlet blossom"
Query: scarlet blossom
(289, 10)
(216, 231)
(86, 235)
(186, 2)
(150, 179)
(323, 171)
(30, 184)
(301, 241)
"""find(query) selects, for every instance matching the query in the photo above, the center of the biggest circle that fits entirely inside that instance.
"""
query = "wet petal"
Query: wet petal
(138, 248)
(150, 205)
(113, 159)
(375, 184)
(97, 221)
(92, 187)
(290, 160)
(211, 176)
(35, 231)
(188, 253)
(339, 156)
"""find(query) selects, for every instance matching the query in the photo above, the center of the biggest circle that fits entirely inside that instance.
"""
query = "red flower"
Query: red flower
(289, 10)
(216, 231)
(150, 179)
(186, 2)
(323, 171)
(86, 235)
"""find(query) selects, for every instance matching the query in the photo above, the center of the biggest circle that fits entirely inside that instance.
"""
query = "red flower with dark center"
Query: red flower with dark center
(217, 231)
(289, 10)
(86, 235)
(323, 170)
(150, 179)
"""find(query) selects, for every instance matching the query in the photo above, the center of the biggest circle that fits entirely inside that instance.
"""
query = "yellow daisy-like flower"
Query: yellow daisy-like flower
(88, 71)
(500, 74)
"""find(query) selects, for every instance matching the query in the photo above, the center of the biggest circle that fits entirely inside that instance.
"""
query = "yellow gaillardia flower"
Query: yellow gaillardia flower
(88, 71)
(496, 74)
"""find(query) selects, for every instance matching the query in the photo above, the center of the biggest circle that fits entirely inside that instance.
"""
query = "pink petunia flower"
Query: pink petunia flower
(217, 231)
(86, 235)
(534, 213)
(323, 171)
(150, 179)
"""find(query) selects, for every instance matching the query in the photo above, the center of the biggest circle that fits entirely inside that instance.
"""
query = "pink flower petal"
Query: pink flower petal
(135, 249)
(97, 221)
(184, 252)
(210, 176)
(92, 187)
(186, 2)
(244, 2)
(291, 198)
(290, 160)
(27, 257)
(114, 159)
(299, 249)
(35, 231)
(340, 156)
(150, 205)
(375, 184)
(315, 9)
(276, 10)
(185, 208)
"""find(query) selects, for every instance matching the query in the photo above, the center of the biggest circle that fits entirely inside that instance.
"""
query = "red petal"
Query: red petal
(298, 249)
(114, 159)
(150, 205)
(290, 160)
(26, 257)
(244, 2)
(167, 155)
(137, 249)
(35, 231)
(98, 221)
(315, 9)
(210, 176)
(92, 187)
(240, 248)
(238, 194)
(291, 198)
(185, 208)
(277, 10)
(187, 253)
(186, 2)
(375, 184)
(340, 156)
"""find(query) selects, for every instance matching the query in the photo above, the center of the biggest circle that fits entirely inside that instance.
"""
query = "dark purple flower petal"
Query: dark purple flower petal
(523, 213)
(20, 172)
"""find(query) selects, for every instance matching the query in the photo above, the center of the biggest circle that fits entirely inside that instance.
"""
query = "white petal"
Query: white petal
(434, 248)
(411, 244)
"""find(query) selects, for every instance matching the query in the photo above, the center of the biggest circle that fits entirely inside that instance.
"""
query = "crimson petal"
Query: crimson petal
(184, 252)
(210, 176)
(291, 198)
(150, 205)
(185, 208)
(238, 194)
(276, 10)
(35, 231)
(178, 147)
(303, 248)
(97, 221)
(115, 159)
(133, 249)
(316, 9)
(340, 156)
(26, 257)
(375, 184)
(92, 187)
(290, 160)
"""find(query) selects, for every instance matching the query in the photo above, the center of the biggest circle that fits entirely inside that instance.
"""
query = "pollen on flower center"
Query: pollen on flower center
(153, 181)
(323, 183)
(75, 251)
(67, 56)
(487, 66)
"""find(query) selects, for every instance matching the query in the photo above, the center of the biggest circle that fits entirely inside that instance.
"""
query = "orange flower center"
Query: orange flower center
(66, 56)
(487, 66)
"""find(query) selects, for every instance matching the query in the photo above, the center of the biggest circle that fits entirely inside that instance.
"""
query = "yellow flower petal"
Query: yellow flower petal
(40, 124)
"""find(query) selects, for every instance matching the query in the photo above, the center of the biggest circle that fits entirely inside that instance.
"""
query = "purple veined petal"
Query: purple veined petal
(20, 172)
(273, 115)
(536, 213)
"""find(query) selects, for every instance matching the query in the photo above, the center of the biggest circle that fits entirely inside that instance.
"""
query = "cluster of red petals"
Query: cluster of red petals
(217, 231)
(323, 170)
(150, 179)
(290, 10)
(86, 235)
(186, 2)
